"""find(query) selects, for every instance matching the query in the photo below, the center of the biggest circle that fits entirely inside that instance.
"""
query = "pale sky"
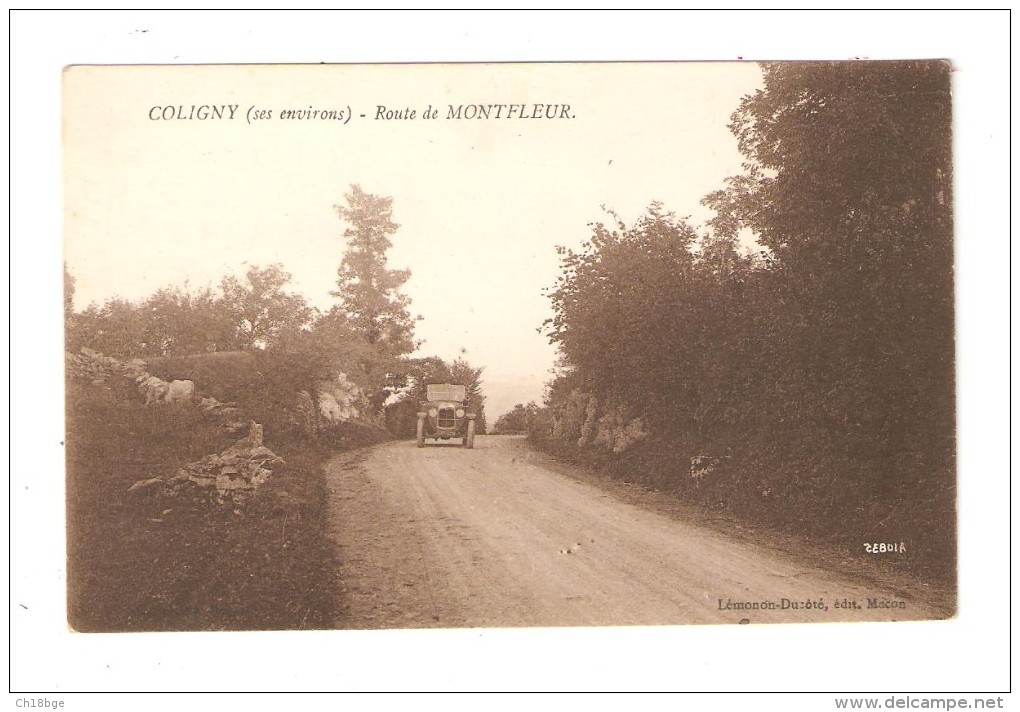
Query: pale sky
(481, 204)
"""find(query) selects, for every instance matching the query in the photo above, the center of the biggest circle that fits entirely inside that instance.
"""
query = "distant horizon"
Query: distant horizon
(423, 352)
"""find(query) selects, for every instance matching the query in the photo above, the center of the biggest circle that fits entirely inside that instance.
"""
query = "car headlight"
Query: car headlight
(460, 412)
(433, 412)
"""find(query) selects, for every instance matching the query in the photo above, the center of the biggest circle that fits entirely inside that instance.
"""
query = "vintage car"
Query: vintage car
(444, 414)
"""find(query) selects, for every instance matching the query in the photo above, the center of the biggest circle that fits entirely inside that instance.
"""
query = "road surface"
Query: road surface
(497, 537)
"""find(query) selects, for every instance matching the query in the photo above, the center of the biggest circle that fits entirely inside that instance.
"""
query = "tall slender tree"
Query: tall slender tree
(369, 292)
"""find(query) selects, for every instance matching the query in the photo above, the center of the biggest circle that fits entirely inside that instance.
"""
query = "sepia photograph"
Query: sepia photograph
(431, 346)
(504, 348)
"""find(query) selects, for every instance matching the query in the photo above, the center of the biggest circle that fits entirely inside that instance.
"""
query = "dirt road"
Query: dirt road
(495, 537)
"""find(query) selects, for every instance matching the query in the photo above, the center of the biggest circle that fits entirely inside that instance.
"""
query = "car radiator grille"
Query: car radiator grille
(447, 418)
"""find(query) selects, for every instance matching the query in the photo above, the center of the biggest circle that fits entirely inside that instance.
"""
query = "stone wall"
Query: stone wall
(230, 476)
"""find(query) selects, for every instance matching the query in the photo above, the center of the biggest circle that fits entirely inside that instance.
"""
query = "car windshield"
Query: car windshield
(445, 391)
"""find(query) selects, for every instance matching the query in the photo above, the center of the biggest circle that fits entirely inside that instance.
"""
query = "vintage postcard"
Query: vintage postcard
(509, 345)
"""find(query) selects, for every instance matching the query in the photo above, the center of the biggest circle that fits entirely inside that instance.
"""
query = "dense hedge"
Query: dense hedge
(808, 385)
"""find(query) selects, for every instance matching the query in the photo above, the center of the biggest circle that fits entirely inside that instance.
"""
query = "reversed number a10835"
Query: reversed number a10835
(886, 547)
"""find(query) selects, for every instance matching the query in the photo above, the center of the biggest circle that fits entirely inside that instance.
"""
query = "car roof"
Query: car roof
(445, 391)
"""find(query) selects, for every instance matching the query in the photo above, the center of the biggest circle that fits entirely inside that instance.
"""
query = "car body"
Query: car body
(445, 414)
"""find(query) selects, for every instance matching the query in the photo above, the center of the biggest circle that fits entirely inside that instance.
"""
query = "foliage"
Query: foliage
(412, 375)
(311, 359)
(74, 337)
(68, 292)
(259, 309)
(850, 192)
(369, 293)
(461, 372)
(179, 322)
(255, 345)
(517, 420)
(138, 563)
(174, 321)
(816, 376)
(117, 328)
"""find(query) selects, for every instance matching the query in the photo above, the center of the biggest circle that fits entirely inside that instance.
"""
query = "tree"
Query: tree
(261, 311)
(836, 151)
(413, 375)
(409, 376)
(817, 377)
(369, 292)
(68, 293)
(344, 348)
(117, 328)
(74, 339)
(518, 420)
(462, 373)
(175, 321)
(179, 322)
(623, 311)
(848, 187)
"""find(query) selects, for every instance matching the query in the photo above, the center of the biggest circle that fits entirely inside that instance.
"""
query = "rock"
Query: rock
(235, 473)
(255, 434)
(154, 389)
(266, 455)
(146, 484)
(210, 403)
(248, 443)
(211, 462)
(338, 399)
(234, 427)
(180, 391)
(226, 483)
(202, 479)
(260, 476)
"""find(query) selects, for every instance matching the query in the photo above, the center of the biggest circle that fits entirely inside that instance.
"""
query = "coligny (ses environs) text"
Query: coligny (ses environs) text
(343, 114)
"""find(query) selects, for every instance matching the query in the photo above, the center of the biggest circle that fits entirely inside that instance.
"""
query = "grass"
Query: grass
(134, 566)
(225, 375)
